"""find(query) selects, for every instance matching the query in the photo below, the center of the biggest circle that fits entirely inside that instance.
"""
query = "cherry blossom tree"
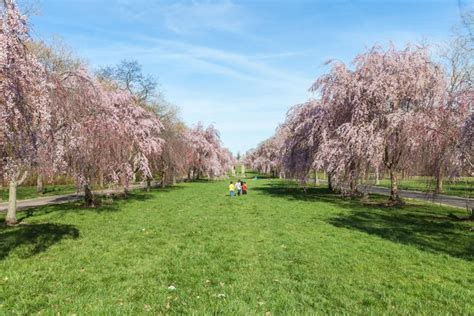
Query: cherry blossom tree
(381, 103)
(82, 125)
(266, 158)
(24, 115)
(207, 157)
(57, 59)
(338, 149)
(442, 137)
(140, 131)
(100, 129)
(304, 127)
(172, 162)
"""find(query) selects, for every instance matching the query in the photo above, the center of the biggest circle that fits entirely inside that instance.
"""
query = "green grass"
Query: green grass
(463, 187)
(29, 192)
(275, 250)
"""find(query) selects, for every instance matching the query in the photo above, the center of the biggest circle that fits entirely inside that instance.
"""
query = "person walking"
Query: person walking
(238, 187)
(231, 189)
(244, 188)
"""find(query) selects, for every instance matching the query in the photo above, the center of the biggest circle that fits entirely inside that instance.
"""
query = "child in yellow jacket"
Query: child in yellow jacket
(231, 189)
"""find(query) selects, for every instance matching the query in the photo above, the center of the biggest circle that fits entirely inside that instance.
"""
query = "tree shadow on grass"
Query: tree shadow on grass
(426, 227)
(291, 191)
(105, 205)
(428, 232)
(168, 189)
(259, 175)
(32, 239)
(201, 180)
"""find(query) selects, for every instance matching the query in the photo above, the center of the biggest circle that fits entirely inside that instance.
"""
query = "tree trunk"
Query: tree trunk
(1, 190)
(101, 179)
(394, 194)
(189, 175)
(330, 182)
(126, 186)
(242, 171)
(316, 178)
(39, 184)
(439, 181)
(439, 184)
(11, 214)
(88, 196)
(173, 177)
(377, 180)
(163, 178)
(148, 184)
(353, 185)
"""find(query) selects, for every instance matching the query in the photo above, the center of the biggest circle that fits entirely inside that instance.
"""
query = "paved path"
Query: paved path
(434, 198)
(430, 197)
(59, 199)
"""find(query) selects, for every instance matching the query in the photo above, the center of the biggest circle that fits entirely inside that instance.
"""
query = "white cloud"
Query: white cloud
(204, 16)
(195, 59)
(252, 68)
(187, 17)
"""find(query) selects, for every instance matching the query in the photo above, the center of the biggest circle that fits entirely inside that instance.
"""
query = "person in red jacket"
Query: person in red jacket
(244, 188)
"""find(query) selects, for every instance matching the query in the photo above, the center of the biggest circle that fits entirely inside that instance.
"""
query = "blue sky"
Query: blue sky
(239, 65)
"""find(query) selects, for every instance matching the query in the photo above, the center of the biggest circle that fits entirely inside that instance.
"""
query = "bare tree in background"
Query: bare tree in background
(457, 60)
(55, 56)
(129, 75)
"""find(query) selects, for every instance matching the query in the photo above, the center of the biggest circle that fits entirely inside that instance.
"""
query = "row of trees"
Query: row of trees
(395, 111)
(57, 118)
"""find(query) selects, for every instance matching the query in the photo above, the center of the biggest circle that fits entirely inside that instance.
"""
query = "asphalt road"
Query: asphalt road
(59, 199)
(434, 198)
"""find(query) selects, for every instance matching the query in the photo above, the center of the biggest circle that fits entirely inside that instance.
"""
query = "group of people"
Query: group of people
(240, 187)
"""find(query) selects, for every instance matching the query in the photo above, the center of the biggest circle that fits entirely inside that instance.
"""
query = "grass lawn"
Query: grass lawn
(191, 249)
(463, 187)
(24, 193)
